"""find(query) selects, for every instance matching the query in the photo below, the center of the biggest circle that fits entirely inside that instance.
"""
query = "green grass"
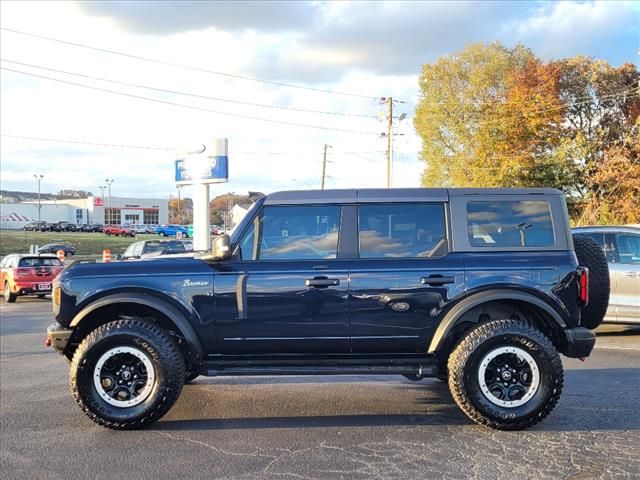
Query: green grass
(88, 245)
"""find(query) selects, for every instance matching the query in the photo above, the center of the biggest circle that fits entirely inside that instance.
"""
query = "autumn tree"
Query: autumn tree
(464, 119)
(615, 184)
(495, 116)
(181, 211)
(222, 204)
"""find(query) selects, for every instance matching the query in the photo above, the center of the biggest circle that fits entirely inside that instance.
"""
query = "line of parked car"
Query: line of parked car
(28, 274)
(125, 230)
(42, 226)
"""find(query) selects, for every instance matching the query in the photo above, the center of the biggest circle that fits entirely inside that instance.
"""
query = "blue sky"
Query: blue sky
(372, 49)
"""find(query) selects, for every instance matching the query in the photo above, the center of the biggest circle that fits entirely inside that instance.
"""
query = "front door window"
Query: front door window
(293, 233)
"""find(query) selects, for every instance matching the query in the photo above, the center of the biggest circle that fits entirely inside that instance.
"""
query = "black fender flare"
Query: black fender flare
(462, 307)
(162, 306)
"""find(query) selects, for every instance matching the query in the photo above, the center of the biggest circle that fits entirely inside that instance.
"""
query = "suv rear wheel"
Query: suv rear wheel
(127, 374)
(505, 374)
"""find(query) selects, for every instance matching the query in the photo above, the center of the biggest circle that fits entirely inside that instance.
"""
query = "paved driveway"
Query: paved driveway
(360, 427)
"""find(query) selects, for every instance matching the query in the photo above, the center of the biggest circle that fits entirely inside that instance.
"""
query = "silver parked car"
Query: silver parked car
(621, 245)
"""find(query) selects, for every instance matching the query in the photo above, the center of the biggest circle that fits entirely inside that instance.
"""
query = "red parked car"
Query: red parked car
(28, 274)
(118, 231)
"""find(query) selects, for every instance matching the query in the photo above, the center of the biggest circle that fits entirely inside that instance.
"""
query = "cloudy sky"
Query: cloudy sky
(333, 59)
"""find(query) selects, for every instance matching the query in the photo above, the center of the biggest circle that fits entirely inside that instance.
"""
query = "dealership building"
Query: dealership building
(91, 209)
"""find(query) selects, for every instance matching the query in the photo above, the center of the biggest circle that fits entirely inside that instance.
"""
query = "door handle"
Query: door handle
(322, 282)
(435, 280)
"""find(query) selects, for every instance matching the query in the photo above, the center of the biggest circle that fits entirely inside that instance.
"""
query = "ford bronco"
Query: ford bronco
(482, 288)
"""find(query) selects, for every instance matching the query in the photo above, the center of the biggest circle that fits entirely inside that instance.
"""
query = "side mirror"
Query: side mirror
(221, 248)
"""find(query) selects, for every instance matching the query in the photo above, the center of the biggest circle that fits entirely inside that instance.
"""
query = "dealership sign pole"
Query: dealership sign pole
(201, 166)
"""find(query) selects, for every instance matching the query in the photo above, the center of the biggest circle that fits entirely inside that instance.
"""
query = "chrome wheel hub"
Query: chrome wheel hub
(508, 377)
(124, 377)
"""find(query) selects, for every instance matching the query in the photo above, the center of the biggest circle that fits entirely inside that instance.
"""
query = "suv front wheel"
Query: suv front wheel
(127, 374)
(505, 374)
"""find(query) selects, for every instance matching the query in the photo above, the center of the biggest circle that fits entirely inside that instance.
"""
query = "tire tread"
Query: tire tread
(474, 338)
(167, 348)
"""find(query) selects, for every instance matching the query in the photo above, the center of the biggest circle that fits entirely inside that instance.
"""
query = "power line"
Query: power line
(520, 115)
(188, 67)
(188, 94)
(147, 147)
(192, 107)
(79, 142)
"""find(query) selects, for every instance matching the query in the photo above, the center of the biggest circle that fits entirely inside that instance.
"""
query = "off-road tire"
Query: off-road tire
(590, 255)
(464, 364)
(153, 341)
(8, 296)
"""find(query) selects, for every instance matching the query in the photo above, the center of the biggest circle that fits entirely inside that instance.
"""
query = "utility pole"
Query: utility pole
(389, 141)
(324, 165)
(38, 179)
(389, 133)
(227, 217)
(109, 181)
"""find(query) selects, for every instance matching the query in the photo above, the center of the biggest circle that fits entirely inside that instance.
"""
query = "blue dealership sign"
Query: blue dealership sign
(205, 165)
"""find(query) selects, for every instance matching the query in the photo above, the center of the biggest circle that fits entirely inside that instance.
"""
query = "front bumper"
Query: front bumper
(58, 337)
(579, 342)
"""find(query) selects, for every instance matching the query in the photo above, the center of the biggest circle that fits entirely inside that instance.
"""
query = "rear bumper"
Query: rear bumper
(31, 288)
(58, 337)
(579, 342)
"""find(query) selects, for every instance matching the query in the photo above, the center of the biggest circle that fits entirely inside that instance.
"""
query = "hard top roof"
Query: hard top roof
(374, 195)
(608, 228)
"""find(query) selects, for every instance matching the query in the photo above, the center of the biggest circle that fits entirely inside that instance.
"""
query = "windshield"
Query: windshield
(172, 246)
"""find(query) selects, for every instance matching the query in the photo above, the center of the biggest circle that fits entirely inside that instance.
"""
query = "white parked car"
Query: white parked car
(621, 245)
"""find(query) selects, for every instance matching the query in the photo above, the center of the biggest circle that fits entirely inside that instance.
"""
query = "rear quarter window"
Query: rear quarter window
(509, 223)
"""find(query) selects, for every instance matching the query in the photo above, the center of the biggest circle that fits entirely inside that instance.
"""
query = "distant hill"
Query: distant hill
(13, 196)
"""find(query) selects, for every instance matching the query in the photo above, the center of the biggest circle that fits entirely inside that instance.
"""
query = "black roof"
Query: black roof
(373, 195)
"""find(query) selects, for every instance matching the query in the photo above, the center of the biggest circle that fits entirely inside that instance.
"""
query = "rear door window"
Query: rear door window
(503, 223)
(628, 248)
(402, 230)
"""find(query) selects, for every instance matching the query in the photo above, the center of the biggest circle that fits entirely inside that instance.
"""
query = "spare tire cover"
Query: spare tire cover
(590, 255)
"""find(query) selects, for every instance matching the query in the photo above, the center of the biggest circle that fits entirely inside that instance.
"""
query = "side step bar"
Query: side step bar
(242, 368)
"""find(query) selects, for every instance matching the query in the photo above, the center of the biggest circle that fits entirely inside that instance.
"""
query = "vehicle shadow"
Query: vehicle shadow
(583, 407)
(610, 330)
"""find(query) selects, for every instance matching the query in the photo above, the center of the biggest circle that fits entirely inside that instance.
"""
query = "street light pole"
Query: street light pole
(109, 181)
(102, 188)
(324, 165)
(38, 179)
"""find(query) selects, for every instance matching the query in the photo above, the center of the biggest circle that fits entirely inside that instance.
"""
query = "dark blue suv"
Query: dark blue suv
(482, 288)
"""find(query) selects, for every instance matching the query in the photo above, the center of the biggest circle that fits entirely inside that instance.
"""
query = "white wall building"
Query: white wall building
(86, 210)
(238, 212)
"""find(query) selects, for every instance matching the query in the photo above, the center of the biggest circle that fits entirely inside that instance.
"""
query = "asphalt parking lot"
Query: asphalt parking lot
(313, 427)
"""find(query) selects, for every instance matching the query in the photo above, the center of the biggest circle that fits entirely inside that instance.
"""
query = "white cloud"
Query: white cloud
(371, 49)
(568, 28)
